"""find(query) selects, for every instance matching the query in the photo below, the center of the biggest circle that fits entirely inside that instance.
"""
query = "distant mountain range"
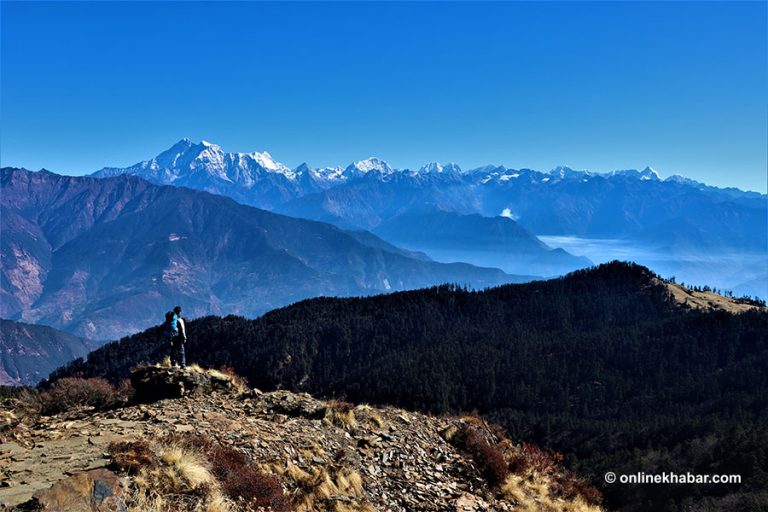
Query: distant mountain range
(103, 258)
(369, 192)
(28, 353)
(678, 226)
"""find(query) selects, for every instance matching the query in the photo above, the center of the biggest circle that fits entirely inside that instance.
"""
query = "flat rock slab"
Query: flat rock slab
(98, 490)
(27, 471)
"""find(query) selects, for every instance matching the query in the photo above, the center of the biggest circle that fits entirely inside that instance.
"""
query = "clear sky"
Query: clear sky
(682, 87)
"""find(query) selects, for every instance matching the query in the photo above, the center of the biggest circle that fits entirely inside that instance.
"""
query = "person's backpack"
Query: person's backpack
(171, 324)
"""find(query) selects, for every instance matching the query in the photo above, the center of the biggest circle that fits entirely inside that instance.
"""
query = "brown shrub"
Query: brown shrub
(532, 458)
(488, 458)
(239, 383)
(125, 391)
(565, 484)
(240, 480)
(131, 455)
(28, 404)
(256, 490)
(72, 392)
(569, 485)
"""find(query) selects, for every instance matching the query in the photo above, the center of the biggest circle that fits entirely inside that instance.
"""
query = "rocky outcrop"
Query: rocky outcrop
(154, 383)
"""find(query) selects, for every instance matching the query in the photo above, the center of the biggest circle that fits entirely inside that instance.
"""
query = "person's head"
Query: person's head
(177, 310)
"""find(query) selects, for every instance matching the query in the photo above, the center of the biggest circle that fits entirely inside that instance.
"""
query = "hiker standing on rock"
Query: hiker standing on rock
(176, 331)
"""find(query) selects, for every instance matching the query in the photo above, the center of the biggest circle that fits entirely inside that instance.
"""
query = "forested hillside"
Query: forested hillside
(602, 365)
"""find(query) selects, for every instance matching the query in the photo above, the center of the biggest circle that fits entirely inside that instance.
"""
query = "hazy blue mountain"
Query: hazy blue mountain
(28, 353)
(698, 233)
(496, 241)
(676, 226)
(106, 257)
(373, 199)
(627, 204)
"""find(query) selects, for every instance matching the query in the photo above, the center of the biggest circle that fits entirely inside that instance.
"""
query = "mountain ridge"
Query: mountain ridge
(28, 353)
(186, 145)
(557, 362)
(62, 236)
(677, 226)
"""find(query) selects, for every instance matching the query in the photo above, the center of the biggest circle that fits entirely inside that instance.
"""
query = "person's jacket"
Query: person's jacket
(182, 329)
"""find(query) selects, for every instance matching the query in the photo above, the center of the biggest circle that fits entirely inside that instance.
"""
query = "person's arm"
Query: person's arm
(182, 329)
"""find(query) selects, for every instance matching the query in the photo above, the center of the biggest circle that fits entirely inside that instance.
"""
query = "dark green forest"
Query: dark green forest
(600, 365)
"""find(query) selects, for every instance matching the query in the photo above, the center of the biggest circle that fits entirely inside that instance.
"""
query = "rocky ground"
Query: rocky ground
(403, 459)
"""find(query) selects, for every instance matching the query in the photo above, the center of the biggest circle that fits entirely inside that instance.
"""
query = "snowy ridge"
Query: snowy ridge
(368, 165)
(190, 164)
(186, 161)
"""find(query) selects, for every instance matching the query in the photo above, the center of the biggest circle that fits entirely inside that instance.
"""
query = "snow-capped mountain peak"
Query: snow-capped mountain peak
(437, 167)
(188, 163)
(325, 177)
(256, 178)
(646, 174)
(266, 161)
(649, 173)
(330, 173)
(371, 164)
(677, 178)
(563, 171)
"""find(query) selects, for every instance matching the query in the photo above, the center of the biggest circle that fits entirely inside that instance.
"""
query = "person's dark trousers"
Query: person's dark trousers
(178, 354)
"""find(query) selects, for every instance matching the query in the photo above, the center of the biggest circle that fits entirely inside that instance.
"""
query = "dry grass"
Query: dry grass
(368, 415)
(707, 300)
(238, 383)
(132, 456)
(530, 478)
(220, 503)
(533, 493)
(8, 419)
(196, 474)
(187, 465)
(340, 413)
(450, 432)
(327, 488)
(313, 449)
(538, 483)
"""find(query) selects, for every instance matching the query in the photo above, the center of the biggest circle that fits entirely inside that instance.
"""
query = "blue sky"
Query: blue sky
(681, 86)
